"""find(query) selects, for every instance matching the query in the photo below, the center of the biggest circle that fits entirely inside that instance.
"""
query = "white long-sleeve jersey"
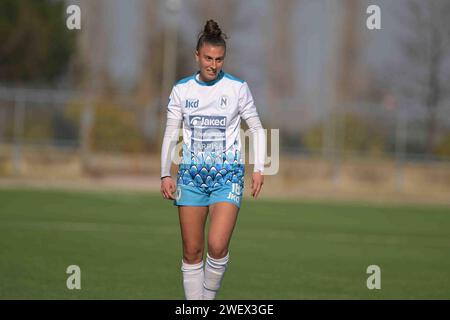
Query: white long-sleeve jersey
(211, 114)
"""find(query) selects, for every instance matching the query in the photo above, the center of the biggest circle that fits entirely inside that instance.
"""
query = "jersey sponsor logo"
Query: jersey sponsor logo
(208, 121)
(208, 133)
(211, 134)
(191, 103)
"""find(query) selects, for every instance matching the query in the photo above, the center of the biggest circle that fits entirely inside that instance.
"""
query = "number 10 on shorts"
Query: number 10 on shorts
(235, 192)
(236, 189)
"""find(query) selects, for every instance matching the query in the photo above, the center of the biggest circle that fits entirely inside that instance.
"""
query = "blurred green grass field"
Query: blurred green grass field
(128, 247)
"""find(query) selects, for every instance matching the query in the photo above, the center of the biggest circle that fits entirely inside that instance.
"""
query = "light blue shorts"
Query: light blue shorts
(195, 196)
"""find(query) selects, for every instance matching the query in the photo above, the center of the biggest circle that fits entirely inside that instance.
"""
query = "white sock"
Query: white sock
(214, 271)
(192, 280)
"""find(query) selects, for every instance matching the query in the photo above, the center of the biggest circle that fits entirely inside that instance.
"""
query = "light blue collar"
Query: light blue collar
(209, 83)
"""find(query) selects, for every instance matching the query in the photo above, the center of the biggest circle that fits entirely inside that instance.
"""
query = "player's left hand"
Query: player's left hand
(257, 183)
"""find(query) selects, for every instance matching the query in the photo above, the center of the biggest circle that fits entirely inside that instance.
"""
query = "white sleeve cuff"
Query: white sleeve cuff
(259, 143)
(168, 145)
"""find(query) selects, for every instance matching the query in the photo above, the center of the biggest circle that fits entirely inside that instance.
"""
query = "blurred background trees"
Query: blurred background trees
(335, 89)
(421, 77)
(34, 49)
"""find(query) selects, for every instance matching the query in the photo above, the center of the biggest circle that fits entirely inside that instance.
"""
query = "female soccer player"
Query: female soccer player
(210, 179)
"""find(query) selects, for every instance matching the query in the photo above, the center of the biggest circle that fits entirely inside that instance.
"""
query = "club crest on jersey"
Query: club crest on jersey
(178, 193)
(191, 103)
(223, 102)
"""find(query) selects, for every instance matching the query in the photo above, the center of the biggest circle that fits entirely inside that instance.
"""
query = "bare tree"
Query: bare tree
(426, 52)
(281, 78)
(348, 70)
(92, 55)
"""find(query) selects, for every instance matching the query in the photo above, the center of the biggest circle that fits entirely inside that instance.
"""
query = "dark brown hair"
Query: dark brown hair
(211, 34)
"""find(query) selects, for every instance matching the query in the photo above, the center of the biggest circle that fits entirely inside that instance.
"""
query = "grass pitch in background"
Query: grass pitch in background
(128, 247)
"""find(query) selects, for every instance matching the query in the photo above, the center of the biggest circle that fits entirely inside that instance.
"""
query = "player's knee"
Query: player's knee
(192, 254)
(217, 250)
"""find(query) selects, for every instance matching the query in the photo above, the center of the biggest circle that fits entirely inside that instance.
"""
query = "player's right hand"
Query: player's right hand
(168, 188)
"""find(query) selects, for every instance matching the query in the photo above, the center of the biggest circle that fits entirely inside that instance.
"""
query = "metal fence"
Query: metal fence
(70, 121)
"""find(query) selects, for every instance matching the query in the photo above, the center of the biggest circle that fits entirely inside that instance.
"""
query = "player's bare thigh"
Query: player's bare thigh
(192, 223)
(223, 217)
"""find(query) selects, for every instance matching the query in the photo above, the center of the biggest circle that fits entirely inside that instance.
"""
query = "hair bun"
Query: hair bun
(212, 29)
(211, 34)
